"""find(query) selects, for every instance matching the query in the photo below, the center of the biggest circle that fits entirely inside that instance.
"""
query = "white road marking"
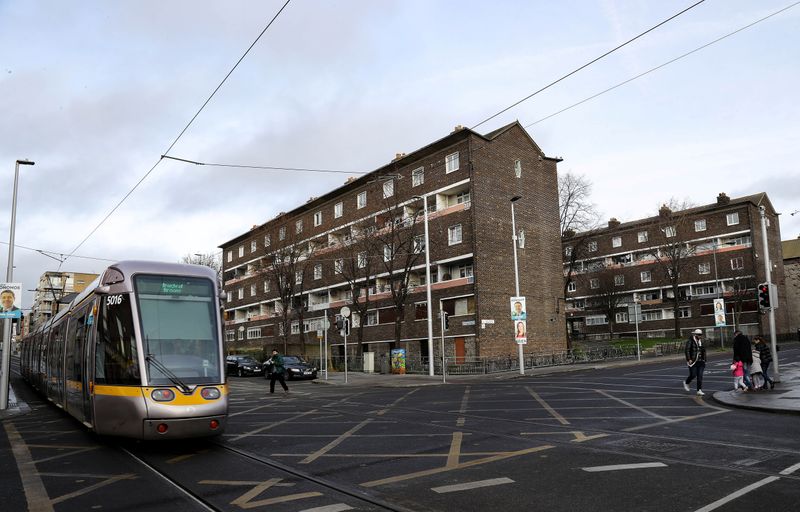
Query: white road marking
(339, 507)
(618, 467)
(472, 485)
(790, 469)
(737, 494)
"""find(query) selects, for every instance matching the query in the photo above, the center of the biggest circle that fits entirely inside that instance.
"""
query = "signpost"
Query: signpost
(635, 312)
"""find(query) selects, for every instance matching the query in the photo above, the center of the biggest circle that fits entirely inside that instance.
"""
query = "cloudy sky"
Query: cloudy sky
(95, 92)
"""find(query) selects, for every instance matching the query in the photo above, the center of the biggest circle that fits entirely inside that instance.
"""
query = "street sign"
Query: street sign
(345, 311)
(635, 313)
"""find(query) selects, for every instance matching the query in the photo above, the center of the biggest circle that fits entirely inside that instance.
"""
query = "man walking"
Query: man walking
(277, 371)
(742, 351)
(695, 354)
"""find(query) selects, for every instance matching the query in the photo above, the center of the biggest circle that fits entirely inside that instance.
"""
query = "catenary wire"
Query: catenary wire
(126, 196)
(263, 167)
(620, 84)
(43, 251)
(526, 98)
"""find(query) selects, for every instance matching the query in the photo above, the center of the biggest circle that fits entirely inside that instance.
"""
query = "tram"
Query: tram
(139, 353)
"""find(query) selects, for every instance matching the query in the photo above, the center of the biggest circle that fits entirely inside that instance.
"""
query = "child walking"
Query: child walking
(738, 376)
(756, 374)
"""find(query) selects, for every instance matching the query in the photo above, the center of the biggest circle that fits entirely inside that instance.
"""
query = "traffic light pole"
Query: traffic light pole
(444, 367)
(768, 271)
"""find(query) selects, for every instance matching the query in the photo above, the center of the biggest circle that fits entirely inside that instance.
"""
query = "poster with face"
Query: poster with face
(518, 308)
(719, 312)
(521, 332)
(10, 300)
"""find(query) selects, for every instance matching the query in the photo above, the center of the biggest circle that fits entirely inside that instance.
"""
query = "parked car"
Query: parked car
(243, 366)
(296, 368)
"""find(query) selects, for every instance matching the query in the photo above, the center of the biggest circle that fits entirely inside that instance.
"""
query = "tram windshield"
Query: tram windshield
(179, 329)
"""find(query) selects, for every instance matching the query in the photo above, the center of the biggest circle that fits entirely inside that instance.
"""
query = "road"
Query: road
(622, 439)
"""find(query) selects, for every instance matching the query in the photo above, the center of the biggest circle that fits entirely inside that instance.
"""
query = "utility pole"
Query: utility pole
(768, 272)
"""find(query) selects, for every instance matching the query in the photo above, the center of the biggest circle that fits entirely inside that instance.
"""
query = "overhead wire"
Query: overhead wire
(183, 131)
(263, 167)
(526, 98)
(48, 253)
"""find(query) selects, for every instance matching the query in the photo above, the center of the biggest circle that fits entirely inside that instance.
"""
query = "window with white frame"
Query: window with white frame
(621, 318)
(708, 289)
(732, 218)
(419, 243)
(737, 263)
(685, 313)
(646, 276)
(387, 253)
(267, 240)
(462, 271)
(295, 327)
(417, 176)
(642, 237)
(521, 239)
(241, 251)
(253, 333)
(230, 256)
(518, 168)
(596, 320)
(568, 251)
(252, 290)
(704, 268)
(228, 297)
(240, 293)
(318, 271)
(298, 226)
(654, 314)
(338, 210)
(338, 266)
(361, 199)
(592, 246)
(669, 231)
(230, 335)
(463, 197)
(594, 283)
(362, 259)
(619, 280)
(372, 317)
(241, 334)
(388, 188)
(451, 162)
(317, 219)
(616, 241)
(253, 246)
(454, 234)
(572, 286)
(282, 233)
(266, 286)
(700, 225)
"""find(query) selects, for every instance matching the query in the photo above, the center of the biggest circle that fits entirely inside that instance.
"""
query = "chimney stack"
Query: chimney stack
(613, 222)
(664, 211)
(723, 199)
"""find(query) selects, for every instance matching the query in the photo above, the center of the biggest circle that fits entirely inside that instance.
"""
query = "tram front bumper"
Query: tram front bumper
(180, 428)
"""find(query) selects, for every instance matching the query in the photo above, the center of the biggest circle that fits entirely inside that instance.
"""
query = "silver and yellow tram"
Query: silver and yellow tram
(138, 354)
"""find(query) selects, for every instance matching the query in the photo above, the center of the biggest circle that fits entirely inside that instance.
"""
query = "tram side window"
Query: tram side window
(116, 358)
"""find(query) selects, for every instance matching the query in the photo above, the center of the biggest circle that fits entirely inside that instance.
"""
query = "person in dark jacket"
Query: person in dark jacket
(743, 351)
(695, 354)
(277, 371)
(766, 358)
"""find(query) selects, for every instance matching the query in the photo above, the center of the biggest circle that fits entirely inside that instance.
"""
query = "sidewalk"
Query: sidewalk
(784, 398)
(14, 406)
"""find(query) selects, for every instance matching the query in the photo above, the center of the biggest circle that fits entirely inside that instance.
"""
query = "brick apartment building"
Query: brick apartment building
(717, 250)
(366, 240)
(791, 265)
(53, 286)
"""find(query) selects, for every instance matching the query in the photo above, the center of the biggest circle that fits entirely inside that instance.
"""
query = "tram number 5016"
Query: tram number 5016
(113, 300)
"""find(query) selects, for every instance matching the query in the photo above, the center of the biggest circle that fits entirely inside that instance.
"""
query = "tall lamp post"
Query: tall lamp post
(428, 286)
(516, 272)
(6, 361)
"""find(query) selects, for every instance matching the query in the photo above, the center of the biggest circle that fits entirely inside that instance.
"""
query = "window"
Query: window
(419, 243)
(454, 234)
(362, 259)
(704, 290)
(282, 233)
(621, 318)
(451, 162)
(295, 327)
(252, 290)
(266, 286)
(241, 251)
(253, 246)
(318, 271)
(568, 251)
(616, 241)
(619, 280)
(267, 240)
(361, 199)
(596, 320)
(463, 197)
(518, 168)
(298, 226)
(253, 332)
(230, 335)
(521, 239)
(594, 283)
(462, 271)
(387, 253)
(338, 210)
(298, 277)
(418, 177)
(733, 218)
(572, 286)
(646, 276)
(704, 268)
(230, 256)
(338, 266)
(700, 225)
(228, 297)
(685, 313)
(241, 333)
(317, 219)
(240, 293)
(669, 231)
(642, 237)
(592, 246)
(737, 263)
(388, 188)
(655, 314)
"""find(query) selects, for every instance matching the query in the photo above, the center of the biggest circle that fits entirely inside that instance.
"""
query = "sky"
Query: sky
(94, 92)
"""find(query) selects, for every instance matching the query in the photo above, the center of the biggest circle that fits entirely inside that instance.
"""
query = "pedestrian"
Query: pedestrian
(695, 354)
(276, 361)
(756, 374)
(738, 376)
(766, 358)
(743, 352)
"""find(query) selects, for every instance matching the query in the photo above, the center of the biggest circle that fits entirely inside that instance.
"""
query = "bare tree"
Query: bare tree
(576, 211)
(673, 251)
(608, 295)
(211, 260)
(743, 289)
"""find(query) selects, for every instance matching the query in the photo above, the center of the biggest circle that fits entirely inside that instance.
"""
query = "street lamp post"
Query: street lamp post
(516, 272)
(6, 360)
(428, 285)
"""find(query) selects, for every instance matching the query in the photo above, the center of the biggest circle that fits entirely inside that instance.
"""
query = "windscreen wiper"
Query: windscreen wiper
(150, 358)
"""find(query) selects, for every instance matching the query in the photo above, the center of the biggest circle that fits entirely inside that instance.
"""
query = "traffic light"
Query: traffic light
(347, 327)
(339, 322)
(763, 296)
(445, 320)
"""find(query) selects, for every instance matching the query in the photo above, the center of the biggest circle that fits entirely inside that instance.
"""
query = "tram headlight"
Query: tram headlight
(163, 395)
(210, 393)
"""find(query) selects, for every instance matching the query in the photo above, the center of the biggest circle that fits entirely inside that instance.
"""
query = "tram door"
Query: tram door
(76, 363)
(88, 360)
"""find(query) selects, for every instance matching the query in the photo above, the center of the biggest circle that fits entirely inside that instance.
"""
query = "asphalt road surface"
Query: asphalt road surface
(621, 439)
